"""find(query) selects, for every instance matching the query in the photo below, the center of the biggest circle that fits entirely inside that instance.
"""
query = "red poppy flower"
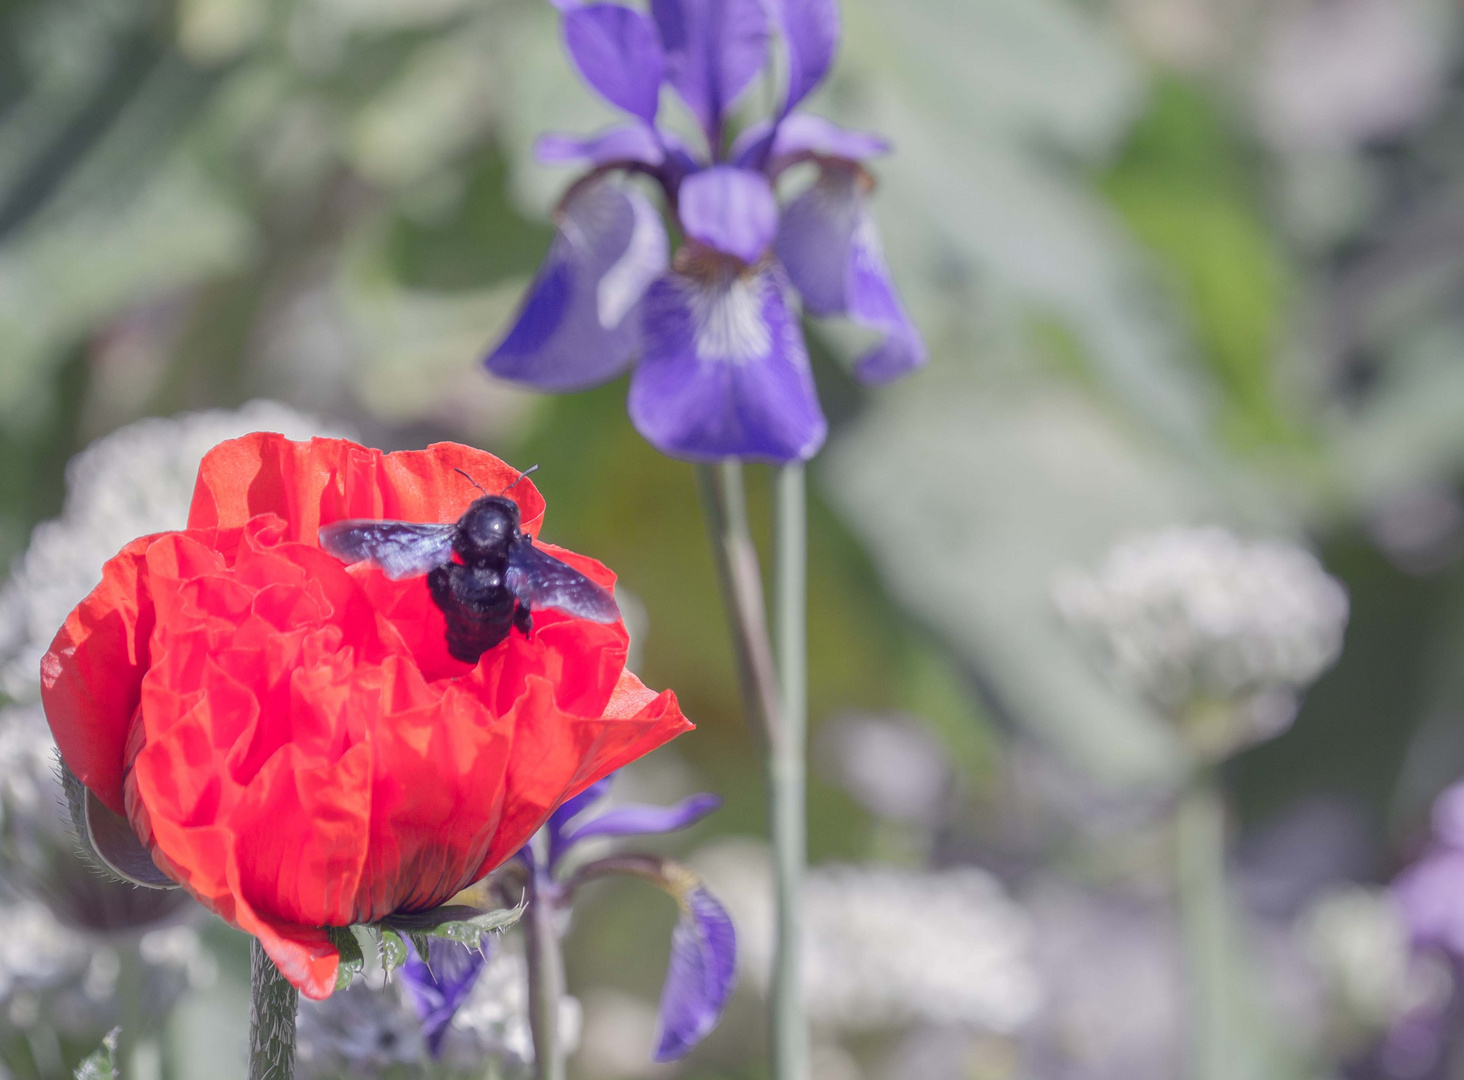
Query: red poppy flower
(290, 738)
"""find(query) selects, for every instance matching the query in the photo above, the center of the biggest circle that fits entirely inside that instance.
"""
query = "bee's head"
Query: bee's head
(487, 529)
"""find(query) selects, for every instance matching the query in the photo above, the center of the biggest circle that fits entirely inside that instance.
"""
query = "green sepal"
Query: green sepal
(393, 950)
(353, 960)
(455, 922)
(420, 943)
(101, 1064)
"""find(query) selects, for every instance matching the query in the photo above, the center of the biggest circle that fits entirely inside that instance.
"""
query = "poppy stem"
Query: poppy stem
(725, 505)
(271, 1019)
(787, 777)
(546, 976)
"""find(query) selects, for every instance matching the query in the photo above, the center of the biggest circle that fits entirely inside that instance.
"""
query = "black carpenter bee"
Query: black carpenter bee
(502, 576)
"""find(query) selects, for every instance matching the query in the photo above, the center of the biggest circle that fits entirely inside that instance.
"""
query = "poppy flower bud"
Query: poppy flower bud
(289, 738)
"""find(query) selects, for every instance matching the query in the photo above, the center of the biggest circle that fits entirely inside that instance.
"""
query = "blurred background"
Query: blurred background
(1111, 779)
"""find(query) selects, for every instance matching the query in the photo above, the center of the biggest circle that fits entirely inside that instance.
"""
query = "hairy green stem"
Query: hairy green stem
(272, 1006)
(787, 780)
(1199, 851)
(546, 978)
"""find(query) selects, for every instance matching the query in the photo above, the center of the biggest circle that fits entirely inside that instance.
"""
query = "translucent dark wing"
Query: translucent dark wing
(401, 548)
(540, 580)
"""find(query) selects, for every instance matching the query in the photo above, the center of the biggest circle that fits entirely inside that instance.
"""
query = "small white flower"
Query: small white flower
(1197, 617)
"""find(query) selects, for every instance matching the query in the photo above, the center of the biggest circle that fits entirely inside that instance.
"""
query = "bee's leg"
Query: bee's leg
(523, 618)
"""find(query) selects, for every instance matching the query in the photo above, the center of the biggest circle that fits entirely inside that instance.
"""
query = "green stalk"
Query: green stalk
(1199, 851)
(272, 1006)
(546, 978)
(787, 779)
(725, 506)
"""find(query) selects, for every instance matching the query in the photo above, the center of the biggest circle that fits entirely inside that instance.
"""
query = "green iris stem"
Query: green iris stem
(272, 1007)
(1200, 890)
(778, 714)
(725, 506)
(546, 978)
(787, 777)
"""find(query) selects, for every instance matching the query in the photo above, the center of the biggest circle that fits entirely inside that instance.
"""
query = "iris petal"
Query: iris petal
(632, 144)
(725, 371)
(618, 52)
(439, 984)
(811, 35)
(730, 209)
(700, 976)
(578, 323)
(829, 245)
(714, 49)
(636, 819)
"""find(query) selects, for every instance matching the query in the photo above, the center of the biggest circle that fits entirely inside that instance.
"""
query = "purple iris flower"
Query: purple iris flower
(438, 985)
(703, 968)
(723, 369)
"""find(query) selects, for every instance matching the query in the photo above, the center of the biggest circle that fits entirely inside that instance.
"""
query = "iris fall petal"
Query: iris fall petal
(578, 325)
(725, 371)
(828, 242)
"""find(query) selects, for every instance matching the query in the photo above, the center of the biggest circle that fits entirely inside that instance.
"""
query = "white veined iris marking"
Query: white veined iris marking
(727, 319)
(643, 260)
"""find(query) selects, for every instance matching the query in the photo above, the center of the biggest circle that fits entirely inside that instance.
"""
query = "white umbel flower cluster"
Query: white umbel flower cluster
(888, 948)
(1196, 616)
(135, 481)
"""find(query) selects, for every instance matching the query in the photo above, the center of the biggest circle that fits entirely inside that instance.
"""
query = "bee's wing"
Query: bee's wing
(402, 549)
(539, 580)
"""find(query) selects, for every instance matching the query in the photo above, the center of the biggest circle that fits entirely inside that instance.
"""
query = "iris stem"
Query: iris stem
(725, 506)
(1199, 852)
(787, 777)
(779, 716)
(272, 1007)
(546, 977)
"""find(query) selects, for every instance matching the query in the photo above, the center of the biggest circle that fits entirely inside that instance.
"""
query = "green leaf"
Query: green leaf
(393, 950)
(456, 922)
(352, 959)
(101, 1064)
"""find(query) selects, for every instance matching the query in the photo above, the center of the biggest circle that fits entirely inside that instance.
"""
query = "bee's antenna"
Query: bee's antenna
(471, 480)
(530, 469)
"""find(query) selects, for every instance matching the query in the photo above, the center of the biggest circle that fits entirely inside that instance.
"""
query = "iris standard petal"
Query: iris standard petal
(829, 245)
(713, 48)
(810, 31)
(729, 209)
(701, 975)
(725, 371)
(578, 325)
(632, 144)
(618, 51)
(439, 984)
(638, 819)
